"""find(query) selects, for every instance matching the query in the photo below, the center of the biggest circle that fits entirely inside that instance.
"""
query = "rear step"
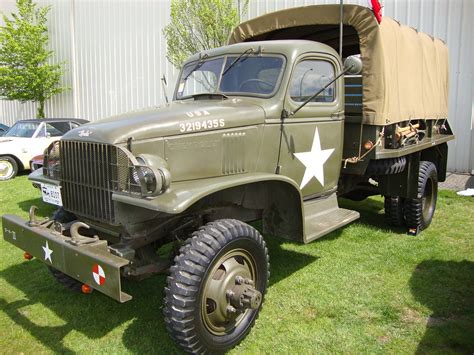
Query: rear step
(323, 215)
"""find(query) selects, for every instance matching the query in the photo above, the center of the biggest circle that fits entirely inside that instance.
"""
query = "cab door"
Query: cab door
(311, 149)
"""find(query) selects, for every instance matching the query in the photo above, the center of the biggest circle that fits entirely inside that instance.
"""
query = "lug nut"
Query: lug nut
(249, 282)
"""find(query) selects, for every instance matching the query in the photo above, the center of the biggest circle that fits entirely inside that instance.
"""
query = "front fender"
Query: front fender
(182, 195)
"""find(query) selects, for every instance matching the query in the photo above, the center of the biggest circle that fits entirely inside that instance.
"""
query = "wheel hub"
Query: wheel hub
(244, 295)
(229, 292)
(6, 168)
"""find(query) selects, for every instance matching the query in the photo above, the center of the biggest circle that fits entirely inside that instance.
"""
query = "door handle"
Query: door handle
(337, 115)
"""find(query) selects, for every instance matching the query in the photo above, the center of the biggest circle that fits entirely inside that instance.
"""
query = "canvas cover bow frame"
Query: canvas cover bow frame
(405, 72)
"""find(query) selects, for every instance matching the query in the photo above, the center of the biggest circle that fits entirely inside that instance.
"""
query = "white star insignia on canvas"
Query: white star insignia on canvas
(47, 253)
(314, 161)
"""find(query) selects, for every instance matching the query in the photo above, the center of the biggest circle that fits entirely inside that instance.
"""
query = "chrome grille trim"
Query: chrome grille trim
(91, 172)
(87, 179)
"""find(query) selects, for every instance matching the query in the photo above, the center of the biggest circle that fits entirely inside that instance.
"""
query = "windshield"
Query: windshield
(248, 76)
(22, 129)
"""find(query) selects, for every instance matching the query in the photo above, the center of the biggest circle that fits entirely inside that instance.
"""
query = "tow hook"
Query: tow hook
(77, 238)
(33, 221)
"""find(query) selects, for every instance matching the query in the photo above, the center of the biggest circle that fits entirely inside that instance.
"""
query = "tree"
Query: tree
(198, 25)
(25, 74)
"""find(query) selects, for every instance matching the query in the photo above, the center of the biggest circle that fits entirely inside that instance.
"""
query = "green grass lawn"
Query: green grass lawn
(363, 289)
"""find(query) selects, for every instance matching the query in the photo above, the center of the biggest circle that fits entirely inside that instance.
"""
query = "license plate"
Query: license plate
(51, 194)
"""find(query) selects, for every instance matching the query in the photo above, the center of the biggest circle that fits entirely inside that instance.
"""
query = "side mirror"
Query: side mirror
(353, 65)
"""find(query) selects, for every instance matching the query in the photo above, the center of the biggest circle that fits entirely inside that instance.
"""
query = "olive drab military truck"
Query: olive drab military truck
(272, 127)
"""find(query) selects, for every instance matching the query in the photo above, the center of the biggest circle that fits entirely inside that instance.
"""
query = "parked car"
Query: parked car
(36, 162)
(3, 129)
(28, 138)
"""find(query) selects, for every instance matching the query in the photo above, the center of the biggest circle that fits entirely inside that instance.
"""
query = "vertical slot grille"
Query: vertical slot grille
(87, 179)
(233, 161)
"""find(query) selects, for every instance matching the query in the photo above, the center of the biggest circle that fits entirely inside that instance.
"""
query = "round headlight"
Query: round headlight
(165, 179)
(150, 180)
(135, 177)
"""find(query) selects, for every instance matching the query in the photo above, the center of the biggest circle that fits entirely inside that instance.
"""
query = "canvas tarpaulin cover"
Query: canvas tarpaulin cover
(405, 72)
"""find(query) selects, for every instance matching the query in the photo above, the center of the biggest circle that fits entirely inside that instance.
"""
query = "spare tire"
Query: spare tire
(386, 166)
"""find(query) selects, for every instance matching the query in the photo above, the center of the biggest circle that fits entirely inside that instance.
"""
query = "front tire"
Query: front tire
(419, 211)
(8, 168)
(216, 287)
(62, 216)
(65, 280)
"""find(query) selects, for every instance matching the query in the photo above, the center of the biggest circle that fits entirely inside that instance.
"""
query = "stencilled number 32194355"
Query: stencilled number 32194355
(200, 125)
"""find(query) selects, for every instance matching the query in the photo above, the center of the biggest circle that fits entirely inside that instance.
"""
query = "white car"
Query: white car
(28, 138)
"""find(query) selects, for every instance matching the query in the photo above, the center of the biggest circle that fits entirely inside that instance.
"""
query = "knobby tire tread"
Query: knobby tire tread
(190, 266)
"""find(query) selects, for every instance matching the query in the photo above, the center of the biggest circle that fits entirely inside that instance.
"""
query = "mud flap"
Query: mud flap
(91, 264)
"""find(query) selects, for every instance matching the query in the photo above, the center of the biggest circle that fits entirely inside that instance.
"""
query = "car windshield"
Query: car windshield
(22, 129)
(249, 75)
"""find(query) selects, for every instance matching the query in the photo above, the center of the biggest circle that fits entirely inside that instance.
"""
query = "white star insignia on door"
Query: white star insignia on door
(314, 161)
(47, 253)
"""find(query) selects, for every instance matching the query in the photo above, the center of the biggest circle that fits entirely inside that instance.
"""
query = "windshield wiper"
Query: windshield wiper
(312, 97)
(210, 95)
(197, 66)
(247, 52)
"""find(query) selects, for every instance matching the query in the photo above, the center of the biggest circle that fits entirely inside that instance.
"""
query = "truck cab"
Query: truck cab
(276, 78)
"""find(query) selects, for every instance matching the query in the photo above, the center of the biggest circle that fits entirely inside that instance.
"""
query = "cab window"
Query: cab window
(200, 78)
(57, 129)
(309, 77)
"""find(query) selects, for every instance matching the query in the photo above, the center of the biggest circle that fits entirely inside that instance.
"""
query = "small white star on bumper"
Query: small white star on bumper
(47, 253)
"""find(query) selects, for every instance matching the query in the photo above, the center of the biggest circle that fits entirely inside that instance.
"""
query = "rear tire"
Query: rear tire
(419, 211)
(199, 306)
(8, 168)
(394, 211)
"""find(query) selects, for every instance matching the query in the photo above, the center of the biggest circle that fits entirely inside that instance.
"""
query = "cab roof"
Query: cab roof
(47, 120)
(288, 48)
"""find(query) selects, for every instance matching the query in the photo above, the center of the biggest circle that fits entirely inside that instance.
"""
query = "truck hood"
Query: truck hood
(179, 117)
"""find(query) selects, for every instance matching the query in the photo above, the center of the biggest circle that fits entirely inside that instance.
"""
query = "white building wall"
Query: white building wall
(116, 63)
(118, 57)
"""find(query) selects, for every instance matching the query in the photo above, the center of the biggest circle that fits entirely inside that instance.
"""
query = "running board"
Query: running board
(323, 215)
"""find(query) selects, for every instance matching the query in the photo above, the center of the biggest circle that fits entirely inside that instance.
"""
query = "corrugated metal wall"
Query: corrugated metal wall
(115, 55)
(115, 64)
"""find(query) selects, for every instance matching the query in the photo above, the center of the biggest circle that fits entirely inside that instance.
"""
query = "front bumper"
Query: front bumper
(91, 264)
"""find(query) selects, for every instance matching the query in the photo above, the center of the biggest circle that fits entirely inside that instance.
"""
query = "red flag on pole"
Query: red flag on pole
(377, 9)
